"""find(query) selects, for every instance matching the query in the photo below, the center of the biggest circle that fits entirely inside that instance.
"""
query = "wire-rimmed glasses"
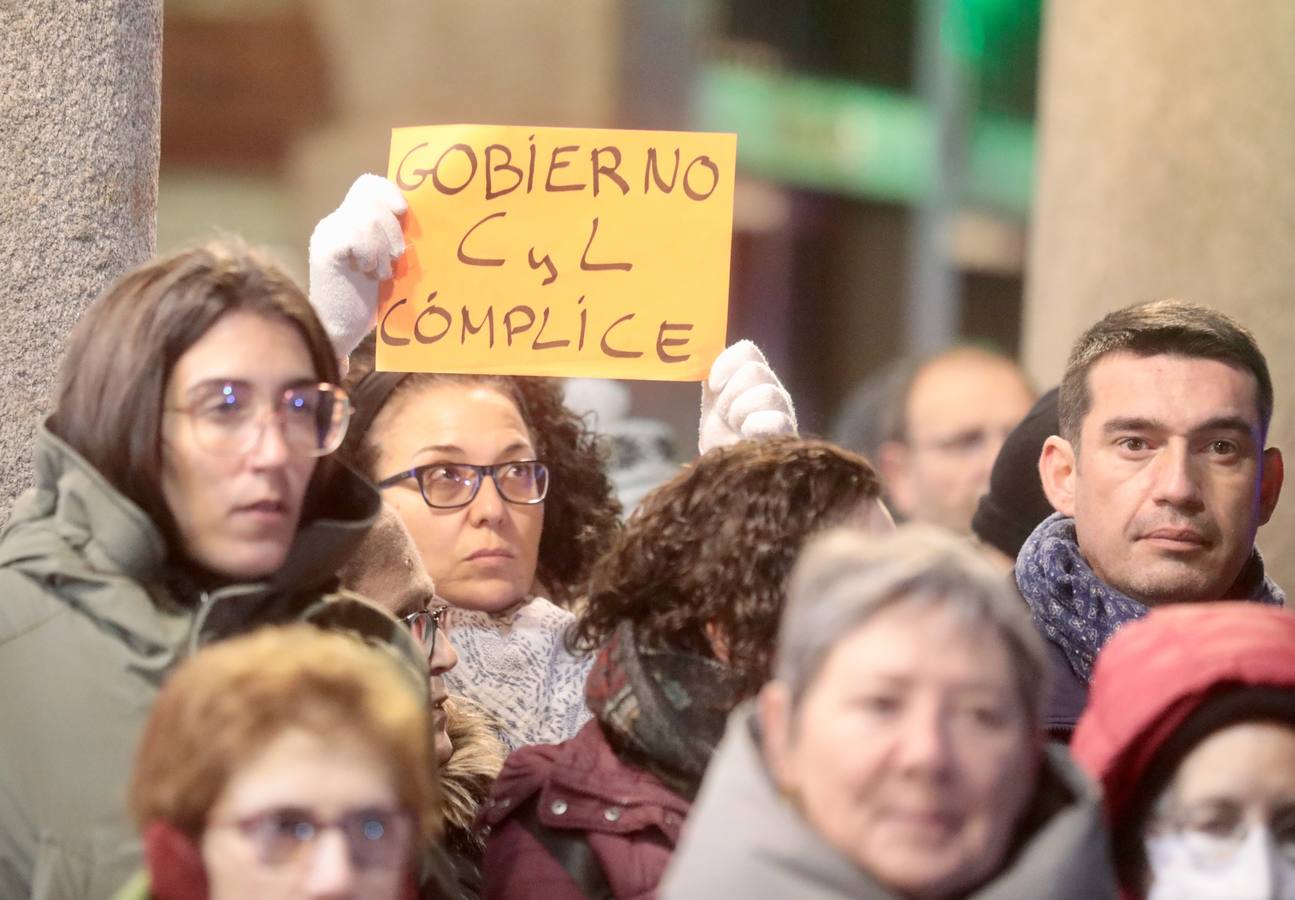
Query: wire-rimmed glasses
(376, 838)
(424, 625)
(229, 417)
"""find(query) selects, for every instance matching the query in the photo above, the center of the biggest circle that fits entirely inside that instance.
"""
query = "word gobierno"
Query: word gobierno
(497, 170)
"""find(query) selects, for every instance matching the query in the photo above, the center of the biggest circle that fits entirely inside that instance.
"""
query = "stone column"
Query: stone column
(1167, 168)
(79, 125)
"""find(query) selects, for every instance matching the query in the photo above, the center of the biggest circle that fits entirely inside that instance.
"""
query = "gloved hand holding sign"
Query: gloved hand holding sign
(742, 398)
(351, 251)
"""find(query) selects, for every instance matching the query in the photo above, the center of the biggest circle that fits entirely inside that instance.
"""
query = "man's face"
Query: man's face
(1171, 480)
(960, 408)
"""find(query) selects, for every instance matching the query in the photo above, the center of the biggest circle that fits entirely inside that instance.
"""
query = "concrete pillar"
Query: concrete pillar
(1167, 168)
(79, 125)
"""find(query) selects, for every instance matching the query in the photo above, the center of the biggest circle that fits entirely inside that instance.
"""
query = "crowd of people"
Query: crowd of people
(274, 623)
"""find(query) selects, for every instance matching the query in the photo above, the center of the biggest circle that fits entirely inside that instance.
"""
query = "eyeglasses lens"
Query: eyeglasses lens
(424, 624)
(451, 485)
(312, 418)
(375, 838)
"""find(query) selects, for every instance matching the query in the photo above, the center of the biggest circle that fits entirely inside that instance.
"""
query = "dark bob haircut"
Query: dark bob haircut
(121, 354)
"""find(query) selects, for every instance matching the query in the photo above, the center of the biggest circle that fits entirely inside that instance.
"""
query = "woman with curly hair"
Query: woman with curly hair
(683, 612)
(468, 461)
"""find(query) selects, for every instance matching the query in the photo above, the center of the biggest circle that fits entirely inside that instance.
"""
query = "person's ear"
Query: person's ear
(894, 467)
(1058, 469)
(773, 708)
(1270, 483)
(174, 862)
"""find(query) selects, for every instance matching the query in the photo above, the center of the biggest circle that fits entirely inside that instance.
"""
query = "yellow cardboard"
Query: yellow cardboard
(559, 251)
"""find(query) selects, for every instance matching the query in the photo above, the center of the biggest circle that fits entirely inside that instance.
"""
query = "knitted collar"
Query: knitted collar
(662, 710)
(1077, 611)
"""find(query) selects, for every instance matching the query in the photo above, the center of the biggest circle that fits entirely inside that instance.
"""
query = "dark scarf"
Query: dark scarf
(1077, 611)
(661, 710)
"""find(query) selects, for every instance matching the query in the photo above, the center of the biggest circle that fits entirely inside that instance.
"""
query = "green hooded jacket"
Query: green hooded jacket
(93, 615)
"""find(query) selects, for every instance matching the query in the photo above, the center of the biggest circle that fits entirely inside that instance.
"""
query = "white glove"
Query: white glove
(351, 251)
(742, 398)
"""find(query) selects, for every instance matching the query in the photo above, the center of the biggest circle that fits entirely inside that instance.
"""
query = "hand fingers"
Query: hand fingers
(393, 239)
(763, 398)
(371, 189)
(767, 422)
(366, 228)
(368, 248)
(750, 374)
(733, 358)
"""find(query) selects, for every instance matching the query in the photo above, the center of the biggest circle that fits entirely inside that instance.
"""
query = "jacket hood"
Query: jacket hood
(74, 532)
(1156, 672)
(744, 839)
(467, 776)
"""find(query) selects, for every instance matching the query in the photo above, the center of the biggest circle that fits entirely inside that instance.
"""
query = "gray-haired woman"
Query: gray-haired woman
(898, 751)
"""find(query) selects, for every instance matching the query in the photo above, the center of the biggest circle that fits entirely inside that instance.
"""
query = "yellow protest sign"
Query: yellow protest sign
(559, 251)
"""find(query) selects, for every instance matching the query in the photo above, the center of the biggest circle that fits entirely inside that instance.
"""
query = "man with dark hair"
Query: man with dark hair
(1160, 479)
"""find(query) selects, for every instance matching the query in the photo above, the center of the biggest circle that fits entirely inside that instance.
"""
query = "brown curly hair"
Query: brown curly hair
(581, 512)
(711, 550)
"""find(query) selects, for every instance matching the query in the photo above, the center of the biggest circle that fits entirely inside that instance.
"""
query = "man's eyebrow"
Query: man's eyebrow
(1138, 423)
(1131, 423)
(1226, 423)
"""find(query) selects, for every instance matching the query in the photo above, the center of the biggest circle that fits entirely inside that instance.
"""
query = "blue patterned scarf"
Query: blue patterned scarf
(1077, 611)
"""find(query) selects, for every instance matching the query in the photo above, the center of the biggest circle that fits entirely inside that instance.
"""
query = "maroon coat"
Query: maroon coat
(630, 820)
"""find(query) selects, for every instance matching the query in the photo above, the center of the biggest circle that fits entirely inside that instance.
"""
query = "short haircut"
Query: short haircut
(1165, 327)
(844, 578)
(897, 425)
(230, 700)
(124, 348)
(711, 550)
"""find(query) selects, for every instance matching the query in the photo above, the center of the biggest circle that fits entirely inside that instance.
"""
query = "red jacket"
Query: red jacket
(630, 820)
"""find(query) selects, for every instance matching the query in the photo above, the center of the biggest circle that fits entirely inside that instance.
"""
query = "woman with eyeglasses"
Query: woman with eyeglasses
(1190, 729)
(291, 763)
(467, 462)
(504, 489)
(183, 493)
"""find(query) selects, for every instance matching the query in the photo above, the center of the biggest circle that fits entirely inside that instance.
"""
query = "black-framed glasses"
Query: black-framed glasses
(229, 417)
(376, 838)
(451, 485)
(424, 625)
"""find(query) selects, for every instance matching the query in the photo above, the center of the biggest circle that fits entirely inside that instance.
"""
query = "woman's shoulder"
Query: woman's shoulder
(27, 605)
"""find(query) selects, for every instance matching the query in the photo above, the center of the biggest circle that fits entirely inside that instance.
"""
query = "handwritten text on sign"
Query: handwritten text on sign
(560, 251)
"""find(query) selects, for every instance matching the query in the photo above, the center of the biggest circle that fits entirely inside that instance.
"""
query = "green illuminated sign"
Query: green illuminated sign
(850, 139)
